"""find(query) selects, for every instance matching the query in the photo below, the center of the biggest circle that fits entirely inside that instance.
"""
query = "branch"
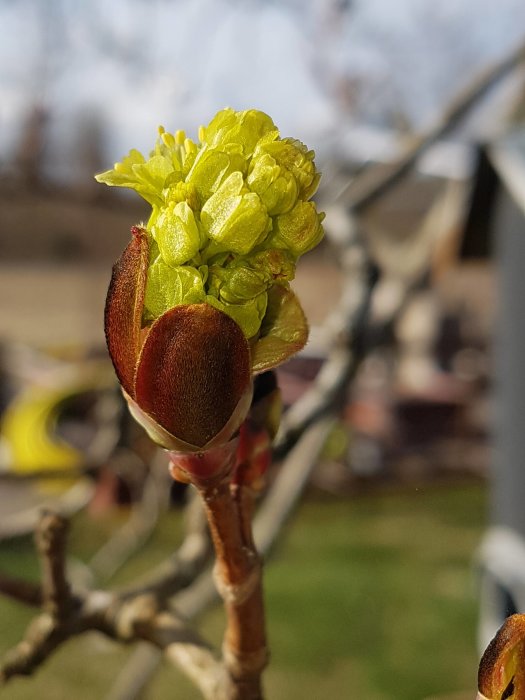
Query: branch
(133, 678)
(50, 540)
(349, 324)
(124, 619)
(181, 569)
(42, 637)
(289, 485)
(133, 534)
(21, 590)
(49, 629)
(238, 577)
(170, 577)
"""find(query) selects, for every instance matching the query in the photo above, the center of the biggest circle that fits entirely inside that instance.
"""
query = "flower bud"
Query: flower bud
(248, 315)
(168, 287)
(500, 672)
(299, 230)
(293, 156)
(212, 166)
(187, 376)
(176, 233)
(276, 186)
(245, 128)
(199, 301)
(234, 217)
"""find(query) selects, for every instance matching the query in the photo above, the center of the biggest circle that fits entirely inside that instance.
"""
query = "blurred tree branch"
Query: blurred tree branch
(66, 614)
(451, 116)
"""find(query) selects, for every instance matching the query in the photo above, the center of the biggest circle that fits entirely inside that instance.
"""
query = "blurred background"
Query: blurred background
(408, 548)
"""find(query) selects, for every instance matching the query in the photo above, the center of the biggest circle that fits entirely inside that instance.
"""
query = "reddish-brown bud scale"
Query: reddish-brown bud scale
(124, 304)
(193, 370)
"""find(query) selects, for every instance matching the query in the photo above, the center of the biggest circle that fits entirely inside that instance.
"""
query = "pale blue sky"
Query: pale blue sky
(137, 63)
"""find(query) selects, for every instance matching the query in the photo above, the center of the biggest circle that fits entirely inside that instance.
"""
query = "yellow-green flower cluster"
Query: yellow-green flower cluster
(230, 215)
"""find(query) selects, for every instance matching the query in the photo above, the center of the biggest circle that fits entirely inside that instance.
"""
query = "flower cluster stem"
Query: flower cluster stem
(238, 576)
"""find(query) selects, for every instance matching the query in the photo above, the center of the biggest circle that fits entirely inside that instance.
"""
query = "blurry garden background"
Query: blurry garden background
(374, 589)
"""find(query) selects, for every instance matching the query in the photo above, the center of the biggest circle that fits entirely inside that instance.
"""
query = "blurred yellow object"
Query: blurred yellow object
(29, 433)
(29, 426)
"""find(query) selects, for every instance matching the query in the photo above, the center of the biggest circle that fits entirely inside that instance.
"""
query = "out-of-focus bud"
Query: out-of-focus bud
(501, 674)
(254, 451)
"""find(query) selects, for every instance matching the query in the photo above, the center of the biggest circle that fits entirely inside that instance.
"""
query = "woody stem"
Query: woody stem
(238, 577)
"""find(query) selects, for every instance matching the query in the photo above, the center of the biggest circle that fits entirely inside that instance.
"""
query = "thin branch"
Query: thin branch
(42, 638)
(170, 577)
(182, 567)
(127, 620)
(135, 532)
(350, 324)
(50, 539)
(48, 630)
(290, 483)
(133, 679)
(48, 473)
(21, 590)
(238, 577)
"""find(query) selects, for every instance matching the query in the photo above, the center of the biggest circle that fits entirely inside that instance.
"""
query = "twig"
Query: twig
(47, 473)
(182, 567)
(127, 620)
(48, 630)
(351, 324)
(42, 637)
(173, 575)
(50, 539)
(21, 590)
(290, 483)
(237, 570)
(133, 534)
(138, 671)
